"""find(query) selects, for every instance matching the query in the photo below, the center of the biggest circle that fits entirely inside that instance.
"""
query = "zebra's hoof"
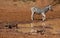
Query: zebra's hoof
(43, 20)
(32, 19)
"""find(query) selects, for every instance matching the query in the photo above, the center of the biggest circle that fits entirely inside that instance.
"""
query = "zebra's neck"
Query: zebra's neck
(46, 9)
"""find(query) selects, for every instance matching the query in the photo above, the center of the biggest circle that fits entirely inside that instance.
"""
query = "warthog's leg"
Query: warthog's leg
(44, 16)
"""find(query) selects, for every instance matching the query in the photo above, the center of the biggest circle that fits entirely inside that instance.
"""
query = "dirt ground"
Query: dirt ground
(24, 32)
(20, 13)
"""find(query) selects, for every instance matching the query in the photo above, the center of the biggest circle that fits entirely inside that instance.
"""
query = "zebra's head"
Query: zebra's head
(50, 7)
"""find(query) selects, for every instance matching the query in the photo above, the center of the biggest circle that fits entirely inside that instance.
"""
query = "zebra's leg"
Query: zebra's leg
(32, 15)
(44, 16)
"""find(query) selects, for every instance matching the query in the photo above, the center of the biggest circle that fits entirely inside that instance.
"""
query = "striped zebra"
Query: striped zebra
(40, 11)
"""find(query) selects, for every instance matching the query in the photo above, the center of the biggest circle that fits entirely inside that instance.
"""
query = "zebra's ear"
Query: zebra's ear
(50, 6)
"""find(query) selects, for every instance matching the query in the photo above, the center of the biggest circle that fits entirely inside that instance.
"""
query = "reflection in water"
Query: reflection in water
(43, 24)
(35, 28)
(42, 29)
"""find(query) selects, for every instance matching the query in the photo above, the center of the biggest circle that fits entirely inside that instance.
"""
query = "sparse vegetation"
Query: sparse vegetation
(24, 0)
(15, 0)
(56, 2)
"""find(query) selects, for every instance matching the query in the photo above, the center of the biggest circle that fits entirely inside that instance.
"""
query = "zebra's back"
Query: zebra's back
(36, 9)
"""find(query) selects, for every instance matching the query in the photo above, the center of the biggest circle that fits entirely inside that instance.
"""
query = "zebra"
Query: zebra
(41, 11)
